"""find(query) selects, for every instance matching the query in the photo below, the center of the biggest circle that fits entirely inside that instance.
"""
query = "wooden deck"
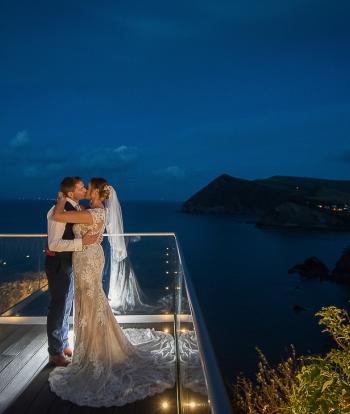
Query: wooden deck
(24, 371)
(23, 353)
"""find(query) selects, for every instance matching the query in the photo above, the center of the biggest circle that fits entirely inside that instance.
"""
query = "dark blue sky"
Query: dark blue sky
(161, 97)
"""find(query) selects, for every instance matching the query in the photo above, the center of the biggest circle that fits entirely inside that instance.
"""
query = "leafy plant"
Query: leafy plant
(304, 385)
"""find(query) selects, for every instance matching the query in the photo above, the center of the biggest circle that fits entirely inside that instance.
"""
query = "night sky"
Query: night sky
(161, 97)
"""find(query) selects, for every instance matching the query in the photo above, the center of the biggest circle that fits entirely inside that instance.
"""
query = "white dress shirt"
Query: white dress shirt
(55, 231)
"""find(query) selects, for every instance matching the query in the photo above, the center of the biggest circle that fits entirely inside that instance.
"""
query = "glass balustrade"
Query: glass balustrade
(22, 271)
(150, 288)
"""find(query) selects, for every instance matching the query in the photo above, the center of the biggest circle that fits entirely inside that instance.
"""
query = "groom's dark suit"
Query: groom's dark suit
(58, 267)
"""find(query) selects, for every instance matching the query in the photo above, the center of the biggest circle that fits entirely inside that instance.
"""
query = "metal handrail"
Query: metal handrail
(104, 234)
(217, 394)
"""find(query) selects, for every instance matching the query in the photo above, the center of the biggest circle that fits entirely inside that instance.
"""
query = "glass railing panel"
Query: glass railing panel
(143, 283)
(193, 392)
(22, 272)
(144, 299)
(147, 289)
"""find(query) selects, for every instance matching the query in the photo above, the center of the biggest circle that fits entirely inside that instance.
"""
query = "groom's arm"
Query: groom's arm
(57, 244)
(55, 232)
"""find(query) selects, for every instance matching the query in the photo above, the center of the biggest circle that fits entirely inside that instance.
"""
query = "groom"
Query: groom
(58, 267)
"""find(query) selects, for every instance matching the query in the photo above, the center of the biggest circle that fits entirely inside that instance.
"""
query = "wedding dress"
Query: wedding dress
(192, 376)
(111, 366)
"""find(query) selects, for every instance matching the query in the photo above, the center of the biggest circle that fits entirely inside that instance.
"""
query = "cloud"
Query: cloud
(39, 162)
(21, 139)
(173, 172)
(128, 154)
(108, 159)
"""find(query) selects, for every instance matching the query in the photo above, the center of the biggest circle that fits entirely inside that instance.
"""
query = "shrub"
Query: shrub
(304, 385)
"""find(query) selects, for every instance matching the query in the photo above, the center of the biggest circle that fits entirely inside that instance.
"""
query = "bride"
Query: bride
(111, 366)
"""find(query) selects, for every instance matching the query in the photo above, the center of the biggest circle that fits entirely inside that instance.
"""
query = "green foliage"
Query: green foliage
(273, 390)
(305, 385)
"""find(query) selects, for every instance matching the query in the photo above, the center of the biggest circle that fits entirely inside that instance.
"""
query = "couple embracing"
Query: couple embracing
(110, 366)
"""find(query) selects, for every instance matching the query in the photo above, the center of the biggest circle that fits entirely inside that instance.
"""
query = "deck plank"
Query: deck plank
(6, 330)
(15, 348)
(29, 396)
(45, 397)
(37, 396)
(13, 335)
(31, 342)
(59, 407)
(23, 377)
(76, 409)
(4, 361)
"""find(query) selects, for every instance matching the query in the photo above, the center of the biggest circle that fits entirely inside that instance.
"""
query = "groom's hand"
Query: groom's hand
(89, 238)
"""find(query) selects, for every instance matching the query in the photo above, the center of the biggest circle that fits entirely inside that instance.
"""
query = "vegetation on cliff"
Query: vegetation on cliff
(13, 292)
(305, 385)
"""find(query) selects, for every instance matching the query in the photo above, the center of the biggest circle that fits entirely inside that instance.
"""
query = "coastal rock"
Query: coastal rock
(311, 267)
(341, 272)
(293, 215)
(232, 195)
(278, 201)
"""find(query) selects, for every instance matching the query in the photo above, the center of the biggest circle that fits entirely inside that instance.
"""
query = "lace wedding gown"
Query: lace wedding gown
(111, 366)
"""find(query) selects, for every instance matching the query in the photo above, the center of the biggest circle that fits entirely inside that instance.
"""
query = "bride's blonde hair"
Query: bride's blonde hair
(102, 186)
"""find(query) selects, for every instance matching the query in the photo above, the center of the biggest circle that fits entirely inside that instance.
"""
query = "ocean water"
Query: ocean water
(240, 274)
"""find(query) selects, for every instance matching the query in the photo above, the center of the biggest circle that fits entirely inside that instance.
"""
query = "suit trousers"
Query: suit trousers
(60, 279)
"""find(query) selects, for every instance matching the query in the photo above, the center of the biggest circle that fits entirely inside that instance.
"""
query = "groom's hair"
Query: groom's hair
(68, 184)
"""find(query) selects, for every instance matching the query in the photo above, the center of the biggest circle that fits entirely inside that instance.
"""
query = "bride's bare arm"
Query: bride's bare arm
(78, 217)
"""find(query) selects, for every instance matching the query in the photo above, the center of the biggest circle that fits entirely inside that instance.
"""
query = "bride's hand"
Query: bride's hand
(61, 198)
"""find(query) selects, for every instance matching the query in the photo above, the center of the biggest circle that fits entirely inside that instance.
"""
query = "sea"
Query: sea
(240, 275)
